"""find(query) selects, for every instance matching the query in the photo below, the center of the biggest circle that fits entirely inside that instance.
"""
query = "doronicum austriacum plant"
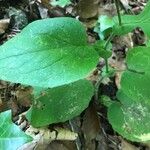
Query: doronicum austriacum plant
(53, 56)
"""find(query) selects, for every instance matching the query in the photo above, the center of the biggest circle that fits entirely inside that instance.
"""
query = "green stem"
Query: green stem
(106, 63)
(118, 11)
(108, 40)
(96, 95)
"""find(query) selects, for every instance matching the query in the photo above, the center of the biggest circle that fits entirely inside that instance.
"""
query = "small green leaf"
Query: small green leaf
(61, 103)
(104, 26)
(105, 23)
(130, 22)
(131, 118)
(11, 136)
(61, 3)
(106, 101)
(100, 48)
(48, 53)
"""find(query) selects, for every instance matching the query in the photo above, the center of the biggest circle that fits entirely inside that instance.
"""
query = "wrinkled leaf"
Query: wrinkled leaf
(61, 3)
(11, 136)
(48, 53)
(61, 103)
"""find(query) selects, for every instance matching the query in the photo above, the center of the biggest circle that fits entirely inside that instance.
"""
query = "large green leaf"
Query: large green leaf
(136, 83)
(130, 118)
(130, 22)
(11, 136)
(61, 103)
(48, 53)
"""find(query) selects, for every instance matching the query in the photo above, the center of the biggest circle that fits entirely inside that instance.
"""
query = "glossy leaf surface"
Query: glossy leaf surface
(48, 53)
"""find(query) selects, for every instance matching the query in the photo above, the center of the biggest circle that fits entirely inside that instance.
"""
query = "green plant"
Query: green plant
(131, 114)
(11, 136)
(56, 60)
(61, 3)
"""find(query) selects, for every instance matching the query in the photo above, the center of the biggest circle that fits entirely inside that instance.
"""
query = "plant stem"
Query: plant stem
(96, 95)
(118, 12)
(106, 63)
(108, 40)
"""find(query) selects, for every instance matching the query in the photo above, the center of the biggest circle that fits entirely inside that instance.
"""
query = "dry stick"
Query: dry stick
(118, 11)
(77, 141)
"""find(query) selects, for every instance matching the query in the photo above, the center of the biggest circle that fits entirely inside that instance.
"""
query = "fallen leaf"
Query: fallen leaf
(125, 4)
(44, 134)
(24, 96)
(43, 12)
(87, 8)
(90, 127)
(45, 3)
(4, 25)
(127, 146)
(60, 145)
(108, 9)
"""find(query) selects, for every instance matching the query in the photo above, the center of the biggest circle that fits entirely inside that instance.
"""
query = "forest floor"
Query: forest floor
(92, 126)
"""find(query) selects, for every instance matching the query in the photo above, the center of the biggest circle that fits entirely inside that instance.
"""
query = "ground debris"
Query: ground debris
(87, 8)
(4, 25)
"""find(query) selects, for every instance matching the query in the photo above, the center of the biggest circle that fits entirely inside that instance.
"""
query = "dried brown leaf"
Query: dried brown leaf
(4, 25)
(87, 8)
(90, 127)
(127, 146)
